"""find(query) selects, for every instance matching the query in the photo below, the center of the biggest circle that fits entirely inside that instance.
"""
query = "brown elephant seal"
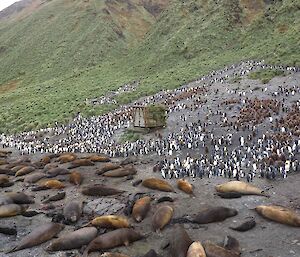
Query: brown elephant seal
(120, 172)
(162, 217)
(110, 221)
(214, 214)
(100, 190)
(180, 242)
(99, 158)
(213, 250)
(279, 214)
(45, 159)
(247, 225)
(185, 186)
(51, 173)
(34, 177)
(56, 197)
(107, 254)
(20, 198)
(4, 179)
(24, 171)
(81, 162)
(41, 234)
(53, 184)
(157, 184)
(196, 250)
(118, 237)
(76, 178)
(72, 211)
(50, 166)
(66, 157)
(73, 240)
(141, 208)
(239, 187)
(107, 167)
(11, 210)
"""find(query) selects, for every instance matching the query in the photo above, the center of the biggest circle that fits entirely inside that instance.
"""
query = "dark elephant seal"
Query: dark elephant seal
(120, 172)
(232, 244)
(56, 171)
(151, 253)
(230, 195)
(73, 240)
(20, 198)
(72, 211)
(245, 226)
(41, 234)
(100, 190)
(81, 162)
(56, 197)
(34, 177)
(214, 214)
(119, 237)
(8, 231)
(107, 167)
(180, 242)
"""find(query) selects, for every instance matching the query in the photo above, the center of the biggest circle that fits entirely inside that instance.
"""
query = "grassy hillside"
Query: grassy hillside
(59, 53)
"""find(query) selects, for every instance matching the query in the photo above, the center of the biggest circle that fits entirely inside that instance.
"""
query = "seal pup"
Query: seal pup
(73, 240)
(8, 231)
(279, 214)
(41, 234)
(72, 211)
(157, 184)
(180, 242)
(100, 190)
(196, 250)
(56, 197)
(162, 217)
(141, 208)
(247, 225)
(239, 187)
(118, 237)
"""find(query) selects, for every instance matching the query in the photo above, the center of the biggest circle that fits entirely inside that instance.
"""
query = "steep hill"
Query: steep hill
(54, 54)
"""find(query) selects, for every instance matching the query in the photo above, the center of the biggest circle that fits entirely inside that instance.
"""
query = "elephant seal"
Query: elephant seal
(120, 172)
(157, 184)
(162, 217)
(81, 162)
(196, 250)
(165, 199)
(73, 240)
(100, 190)
(66, 157)
(76, 178)
(213, 250)
(279, 214)
(45, 159)
(53, 184)
(230, 195)
(72, 211)
(20, 198)
(118, 237)
(8, 231)
(141, 208)
(4, 179)
(110, 221)
(214, 214)
(239, 187)
(41, 234)
(180, 242)
(185, 186)
(232, 244)
(34, 177)
(99, 158)
(56, 197)
(24, 171)
(51, 173)
(245, 226)
(11, 210)
(108, 167)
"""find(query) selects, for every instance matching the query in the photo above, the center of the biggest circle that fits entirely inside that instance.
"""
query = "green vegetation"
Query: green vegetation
(67, 51)
(155, 115)
(265, 75)
(130, 136)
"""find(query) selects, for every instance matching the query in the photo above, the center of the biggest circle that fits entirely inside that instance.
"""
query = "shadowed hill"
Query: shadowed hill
(59, 53)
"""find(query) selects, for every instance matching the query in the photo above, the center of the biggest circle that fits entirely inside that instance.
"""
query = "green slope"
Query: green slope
(67, 51)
